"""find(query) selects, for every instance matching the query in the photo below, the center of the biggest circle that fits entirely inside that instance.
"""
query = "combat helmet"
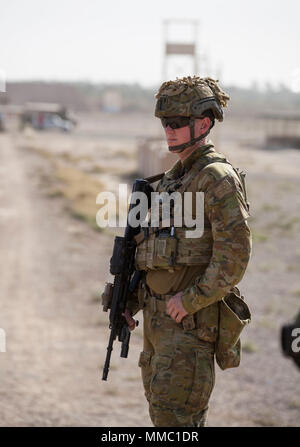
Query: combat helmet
(190, 97)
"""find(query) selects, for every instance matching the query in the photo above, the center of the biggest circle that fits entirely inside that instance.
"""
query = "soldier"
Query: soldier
(181, 297)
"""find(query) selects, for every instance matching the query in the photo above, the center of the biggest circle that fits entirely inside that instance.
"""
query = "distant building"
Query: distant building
(281, 130)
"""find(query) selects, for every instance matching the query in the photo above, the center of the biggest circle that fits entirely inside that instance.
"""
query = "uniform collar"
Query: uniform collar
(189, 161)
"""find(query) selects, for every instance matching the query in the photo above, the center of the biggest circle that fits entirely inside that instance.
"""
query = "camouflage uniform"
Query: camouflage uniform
(177, 361)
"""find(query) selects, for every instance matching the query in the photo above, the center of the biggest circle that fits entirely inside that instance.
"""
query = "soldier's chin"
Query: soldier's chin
(173, 143)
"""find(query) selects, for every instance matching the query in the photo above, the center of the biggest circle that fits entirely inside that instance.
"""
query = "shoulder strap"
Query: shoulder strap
(200, 164)
(154, 178)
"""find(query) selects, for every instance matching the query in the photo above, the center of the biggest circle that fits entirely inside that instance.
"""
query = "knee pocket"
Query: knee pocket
(184, 380)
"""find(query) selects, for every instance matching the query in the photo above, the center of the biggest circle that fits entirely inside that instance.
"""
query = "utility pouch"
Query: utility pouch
(107, 296)
(234, 315)
(165, 249)
(141, 250)
(156, 249)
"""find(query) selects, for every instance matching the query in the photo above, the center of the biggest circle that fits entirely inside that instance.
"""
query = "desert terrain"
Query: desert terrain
(54, 264)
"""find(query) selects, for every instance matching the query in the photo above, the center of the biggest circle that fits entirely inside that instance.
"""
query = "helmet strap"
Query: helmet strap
(192, 127)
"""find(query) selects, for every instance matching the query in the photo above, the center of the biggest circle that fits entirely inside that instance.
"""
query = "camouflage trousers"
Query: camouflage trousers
(177, 370)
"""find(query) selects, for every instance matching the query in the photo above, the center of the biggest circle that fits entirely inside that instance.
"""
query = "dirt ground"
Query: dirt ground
(53, 266)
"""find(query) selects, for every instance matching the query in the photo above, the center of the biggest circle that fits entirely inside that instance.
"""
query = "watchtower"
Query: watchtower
(180, 44)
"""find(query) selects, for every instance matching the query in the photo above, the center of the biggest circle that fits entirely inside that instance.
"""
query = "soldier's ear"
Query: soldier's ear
(205, 123)
(202, 124)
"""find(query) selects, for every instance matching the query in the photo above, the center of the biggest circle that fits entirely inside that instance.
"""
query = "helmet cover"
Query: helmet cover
(191, 97)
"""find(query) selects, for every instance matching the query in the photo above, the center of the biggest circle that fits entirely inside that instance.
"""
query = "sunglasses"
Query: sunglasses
(175, 122)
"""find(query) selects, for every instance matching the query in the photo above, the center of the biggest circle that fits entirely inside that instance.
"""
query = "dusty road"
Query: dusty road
(52, 267)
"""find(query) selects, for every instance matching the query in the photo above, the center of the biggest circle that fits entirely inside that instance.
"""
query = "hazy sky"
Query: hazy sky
(122, 41)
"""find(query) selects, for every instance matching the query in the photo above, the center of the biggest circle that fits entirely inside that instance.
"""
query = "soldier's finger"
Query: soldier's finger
(170, 309)
(170, 304)
(174, 315)
(132, 325)
(129, 320)
(178, 318)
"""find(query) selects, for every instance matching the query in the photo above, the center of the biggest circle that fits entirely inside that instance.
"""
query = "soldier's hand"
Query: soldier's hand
(130, 321)
(175, 308)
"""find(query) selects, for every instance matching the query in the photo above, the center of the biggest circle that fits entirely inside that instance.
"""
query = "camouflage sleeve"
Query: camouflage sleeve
(227, 212)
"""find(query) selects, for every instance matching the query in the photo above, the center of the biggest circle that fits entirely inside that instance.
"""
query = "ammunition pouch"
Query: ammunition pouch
(158, 249)
(165, 250)
(107, 296)
(234, 315)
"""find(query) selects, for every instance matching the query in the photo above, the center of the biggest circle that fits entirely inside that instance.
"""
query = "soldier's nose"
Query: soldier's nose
(169, 129)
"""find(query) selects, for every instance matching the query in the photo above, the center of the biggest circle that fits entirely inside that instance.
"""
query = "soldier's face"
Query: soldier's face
(182, 135)
(175, 137)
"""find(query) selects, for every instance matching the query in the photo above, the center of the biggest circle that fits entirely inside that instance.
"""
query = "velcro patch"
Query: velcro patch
(225, 187)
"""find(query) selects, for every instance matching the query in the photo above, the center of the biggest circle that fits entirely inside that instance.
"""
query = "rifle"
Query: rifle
(126, 279)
